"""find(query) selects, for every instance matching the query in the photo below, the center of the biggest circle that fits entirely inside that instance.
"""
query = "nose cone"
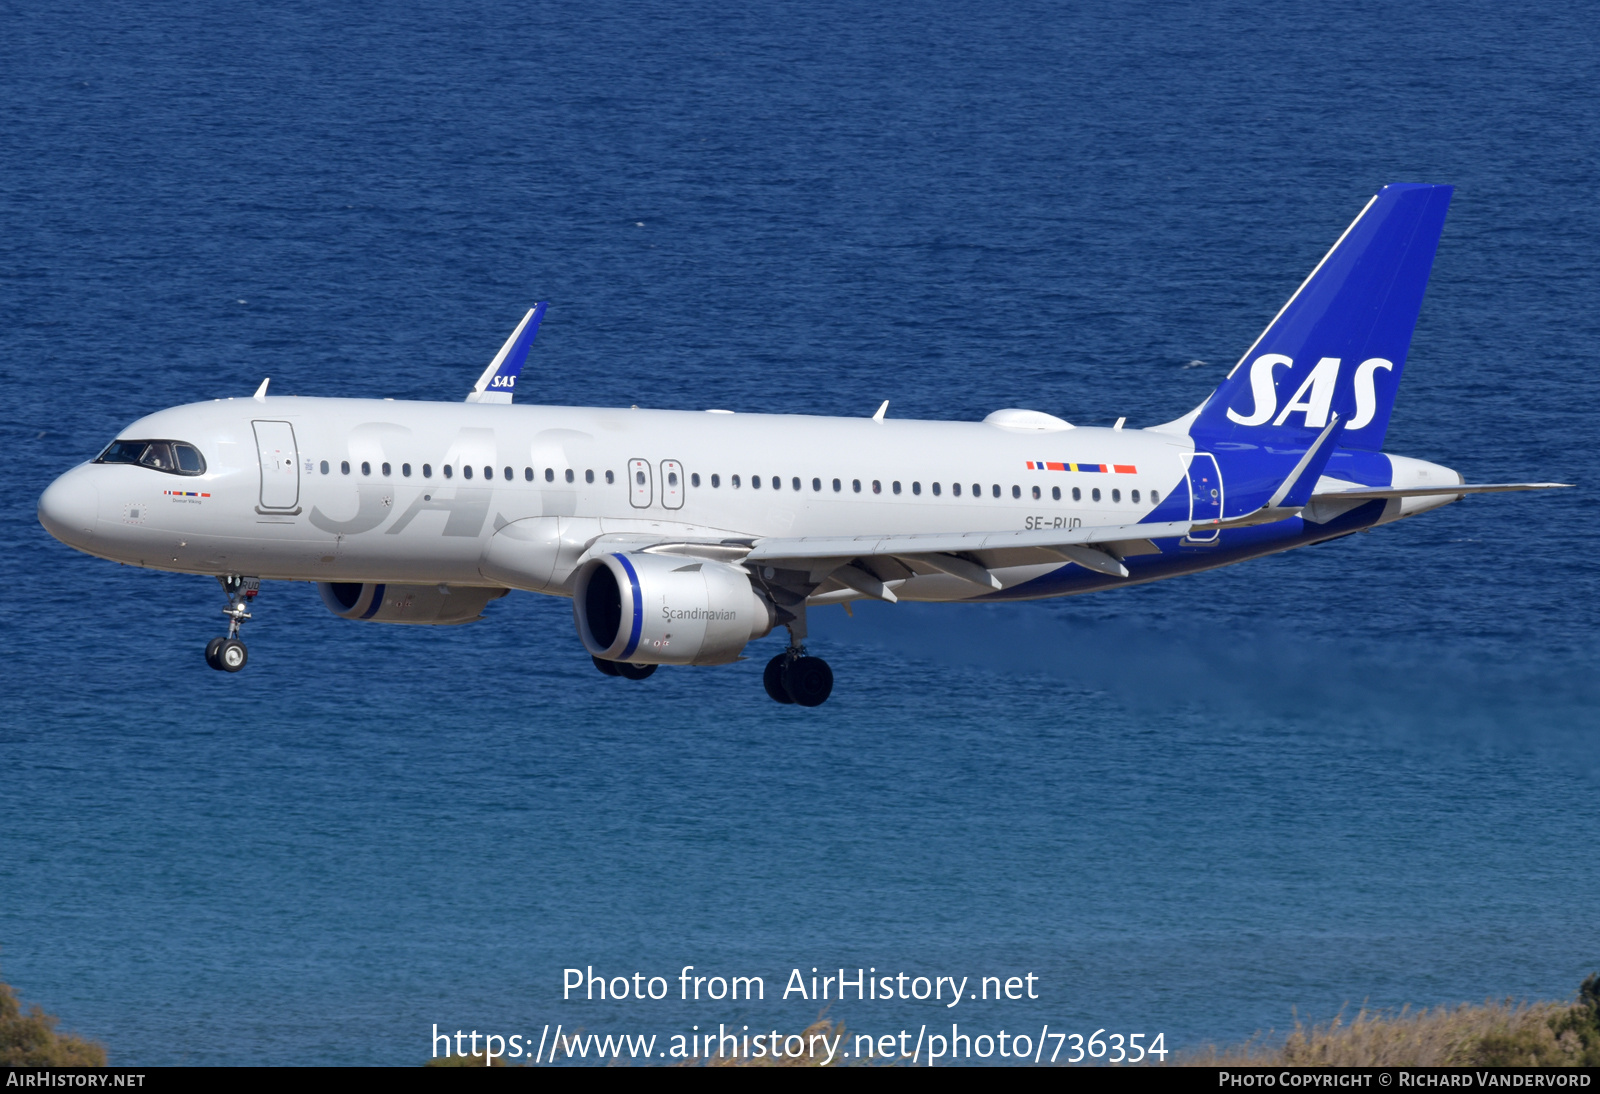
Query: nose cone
(69, 508)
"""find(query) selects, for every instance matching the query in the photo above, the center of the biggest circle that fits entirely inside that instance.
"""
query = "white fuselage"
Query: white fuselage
(383, 490)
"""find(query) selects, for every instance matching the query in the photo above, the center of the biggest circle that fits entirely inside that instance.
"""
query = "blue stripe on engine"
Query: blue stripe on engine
(377, 602)
(638, 608)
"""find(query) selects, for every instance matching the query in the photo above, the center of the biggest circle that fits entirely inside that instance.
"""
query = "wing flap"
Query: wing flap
(820, 547)
(1366, 492)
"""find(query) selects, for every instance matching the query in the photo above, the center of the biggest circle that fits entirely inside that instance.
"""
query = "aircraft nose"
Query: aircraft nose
(69, 508)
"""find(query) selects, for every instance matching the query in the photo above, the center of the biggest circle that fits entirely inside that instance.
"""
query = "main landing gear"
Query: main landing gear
(229, 654)
(794, 677)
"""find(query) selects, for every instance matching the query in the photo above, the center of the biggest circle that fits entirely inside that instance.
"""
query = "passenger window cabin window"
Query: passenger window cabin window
(549, 474)
(527, 473)
(1035, 493)
(855, 486)
(1055, 493)
(795, 482)
(488, 472)
(997, 490)
(448, 471)
(344, 467)
(672, 478)
(755, 482)
(385, 470)
(837, 486)
(1077, 495)
(570, 477)
(1135, 496)
(694, 477)
(955, 488)
(427, 470)
(916, 488)
(639, 477)
(466, 470)
(977, 489)
(1154, 497)
(366, 468)
(324, 467)
(735, 481)
(509, 474)
(897, 487)
(1116, 495)
(877, 487)
(611, 477)
(777, 483)
(816, 485)
(1016, 491)
(405, 470)
(1095, 493)
(716, 481)
(935, 489)
(588, 476)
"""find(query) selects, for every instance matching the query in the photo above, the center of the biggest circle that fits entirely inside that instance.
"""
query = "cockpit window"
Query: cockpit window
(173, 457)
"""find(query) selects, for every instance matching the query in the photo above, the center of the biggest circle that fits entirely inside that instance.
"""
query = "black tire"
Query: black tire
(772, 680)
(231, 655)
(809, 681)
(211, 652)
(609, 668)
(630, 671)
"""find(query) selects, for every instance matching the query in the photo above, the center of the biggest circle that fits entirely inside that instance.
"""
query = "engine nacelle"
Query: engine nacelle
(667, 609)
(441, 605)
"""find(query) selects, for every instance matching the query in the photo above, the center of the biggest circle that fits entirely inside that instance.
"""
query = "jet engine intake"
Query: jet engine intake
(667, 609)
(440, 605)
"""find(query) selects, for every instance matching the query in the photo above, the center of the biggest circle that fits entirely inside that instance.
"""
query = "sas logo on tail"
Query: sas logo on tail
(1314, 397)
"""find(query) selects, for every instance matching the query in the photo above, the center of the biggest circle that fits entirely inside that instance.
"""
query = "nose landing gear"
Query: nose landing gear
(229, 654)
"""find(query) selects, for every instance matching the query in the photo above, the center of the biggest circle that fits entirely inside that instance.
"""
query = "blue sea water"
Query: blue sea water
(1361, 773)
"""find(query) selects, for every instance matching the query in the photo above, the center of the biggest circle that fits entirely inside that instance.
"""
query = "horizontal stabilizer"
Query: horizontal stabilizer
(498, 382)
(1436, 491)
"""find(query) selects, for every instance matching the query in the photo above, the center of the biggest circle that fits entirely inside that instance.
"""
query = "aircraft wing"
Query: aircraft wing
(1364, 492)
(775, 549)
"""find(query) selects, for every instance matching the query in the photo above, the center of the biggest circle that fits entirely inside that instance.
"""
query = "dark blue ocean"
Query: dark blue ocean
(1365, 772)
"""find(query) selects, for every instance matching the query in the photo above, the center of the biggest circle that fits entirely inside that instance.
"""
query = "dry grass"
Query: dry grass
(1492, 1035)
(30, 1039)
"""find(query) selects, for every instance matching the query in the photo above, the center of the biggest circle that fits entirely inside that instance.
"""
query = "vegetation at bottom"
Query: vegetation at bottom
(1492, 1035)
(30, 1039)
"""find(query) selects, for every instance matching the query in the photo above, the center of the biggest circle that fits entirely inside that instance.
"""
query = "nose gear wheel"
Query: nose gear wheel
(228, 654)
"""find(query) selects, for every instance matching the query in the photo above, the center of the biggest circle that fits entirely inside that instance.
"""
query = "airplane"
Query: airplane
(682, 536)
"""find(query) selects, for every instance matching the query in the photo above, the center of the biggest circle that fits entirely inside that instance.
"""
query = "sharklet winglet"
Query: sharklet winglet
(499, 380)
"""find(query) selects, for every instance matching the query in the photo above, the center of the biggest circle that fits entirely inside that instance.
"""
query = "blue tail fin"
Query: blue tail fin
(1339, 345)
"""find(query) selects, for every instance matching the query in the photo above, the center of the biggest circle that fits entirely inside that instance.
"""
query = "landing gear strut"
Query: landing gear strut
(229, 654)
(795, 677)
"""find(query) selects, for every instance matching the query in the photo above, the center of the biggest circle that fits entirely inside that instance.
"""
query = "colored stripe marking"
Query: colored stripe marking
(1090, 468)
